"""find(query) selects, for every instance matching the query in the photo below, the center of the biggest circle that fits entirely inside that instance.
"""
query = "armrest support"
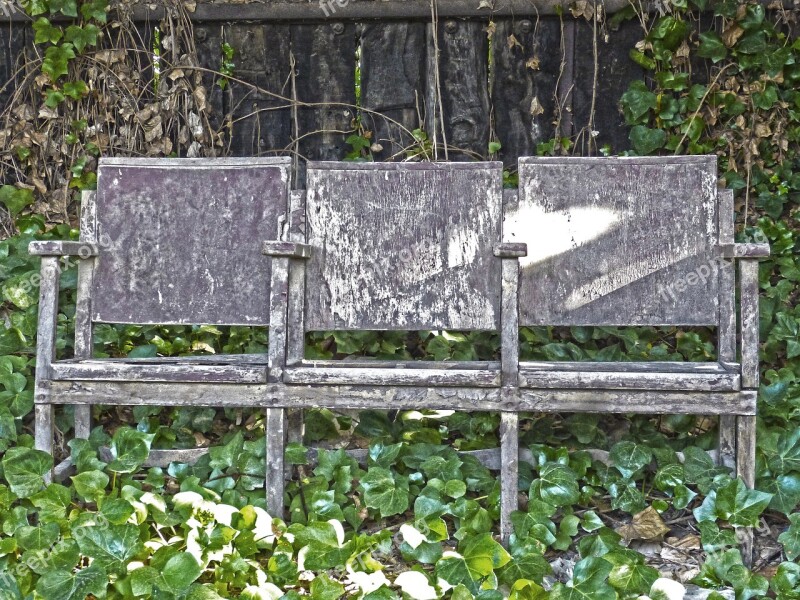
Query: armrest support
(288, 249)
(749, 321)
(510, 250)
(745, 250)
(61, 248)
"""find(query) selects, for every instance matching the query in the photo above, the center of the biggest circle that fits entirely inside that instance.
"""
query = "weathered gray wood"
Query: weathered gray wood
(745, 250)
(687, 368)
(392, 68)
(392, 377)
(748, 300)
(462, 79)
(261, 116)
(203, 359)
(636, 380)
(509, 331)
(509, 471)
(276, 444)
(12, 43)
(290, 249)
(506, 250)
(61, 248)
(526, 69)
(727, 441)
(403, 246)
(746, 449)
(603, 245)
(325, 56)
(100, 370)
(208, 40)
(45, 353)
(83, 306)
(171, 226)
(400, 397)
(295, 335)
(374, 363)
(726, 329)
(615, 72)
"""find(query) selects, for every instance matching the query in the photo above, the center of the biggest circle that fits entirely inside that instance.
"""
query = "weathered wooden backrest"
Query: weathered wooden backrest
(180, 239)
(403, 246)
(617, 241)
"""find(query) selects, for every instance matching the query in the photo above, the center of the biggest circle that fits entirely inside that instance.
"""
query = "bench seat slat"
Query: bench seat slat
(99, 370)
(388, 377)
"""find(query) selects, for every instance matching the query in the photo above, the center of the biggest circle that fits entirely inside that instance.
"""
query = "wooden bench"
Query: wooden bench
(166, 241)
(411, 246)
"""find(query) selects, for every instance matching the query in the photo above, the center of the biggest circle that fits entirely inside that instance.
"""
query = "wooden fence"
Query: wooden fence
(517, 80)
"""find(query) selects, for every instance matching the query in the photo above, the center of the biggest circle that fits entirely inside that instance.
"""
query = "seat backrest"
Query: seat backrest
(403, 246)
(617, 241)
(180, 239)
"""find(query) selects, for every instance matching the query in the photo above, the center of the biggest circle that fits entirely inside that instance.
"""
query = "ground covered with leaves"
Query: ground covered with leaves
(611, 507)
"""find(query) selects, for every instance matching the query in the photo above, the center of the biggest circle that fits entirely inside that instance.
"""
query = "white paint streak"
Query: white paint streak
(549, 234)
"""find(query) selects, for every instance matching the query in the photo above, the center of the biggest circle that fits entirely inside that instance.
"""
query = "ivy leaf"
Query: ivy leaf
(588, 582)
(65, 7)
(46, 32)
(324, 548)
(15, 199)
(95, 9)
(637, 101)
(224, 457)
(90, 485)
(787, 458)
(75, 89)
(786, 581)
(63, 585)
(557, 485)
(483, 555)
(324, 588)
(52, 502)
(180, 572)
(24, 469)
(629, 457)
(34, 7)
(37, 538)
(785, 490)
(384, 491)
(56, 60)
(130, 449)
(111, 547)
(711, 46)
(791, 537)
(734, 503)
(453, 569)
(82, 36)
(646, 140)
(632, 579)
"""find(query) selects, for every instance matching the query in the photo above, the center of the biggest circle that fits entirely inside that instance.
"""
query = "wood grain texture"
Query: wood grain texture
(101, 370)
(526, 69)
(84, 346)
(208, 40)
(171, 227)
(325, 56)
(392, 377)
(261, 122)
(615, 72)
(509, 472)
(392, 70)
(276, 445)
(613, 378)
(617, 241)
(748, 322)
(463, 76)
(295, 330)
(727, 441)
(403, 246)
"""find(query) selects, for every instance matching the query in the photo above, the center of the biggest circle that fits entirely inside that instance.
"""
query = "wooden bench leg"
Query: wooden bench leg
(83, 421)
(43, 431)
(727, 441)
(509, 471)
(276, 444)
(746, 469)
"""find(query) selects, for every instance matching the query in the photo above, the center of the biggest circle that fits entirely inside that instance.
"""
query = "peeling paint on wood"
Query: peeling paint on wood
(617, 241)
(181, 239)
(403, 246)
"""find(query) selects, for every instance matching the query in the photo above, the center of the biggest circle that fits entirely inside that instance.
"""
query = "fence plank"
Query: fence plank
(208, 43)
(12, 43)
(392, 64)
(262, 59)
(326, 63)
(463, 77)
(526, 70)
(615, 72)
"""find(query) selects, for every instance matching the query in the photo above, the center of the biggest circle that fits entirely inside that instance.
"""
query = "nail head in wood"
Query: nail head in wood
(290, 249)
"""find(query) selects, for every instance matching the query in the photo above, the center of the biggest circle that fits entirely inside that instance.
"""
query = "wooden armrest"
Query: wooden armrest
(290, 249)
(61, 248)
(745, 250)
(510, 250)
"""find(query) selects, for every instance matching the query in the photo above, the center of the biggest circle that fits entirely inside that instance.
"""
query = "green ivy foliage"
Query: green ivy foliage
(415, 518)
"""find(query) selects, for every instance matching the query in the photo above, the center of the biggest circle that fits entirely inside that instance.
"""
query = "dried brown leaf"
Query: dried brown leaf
(646, 525)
